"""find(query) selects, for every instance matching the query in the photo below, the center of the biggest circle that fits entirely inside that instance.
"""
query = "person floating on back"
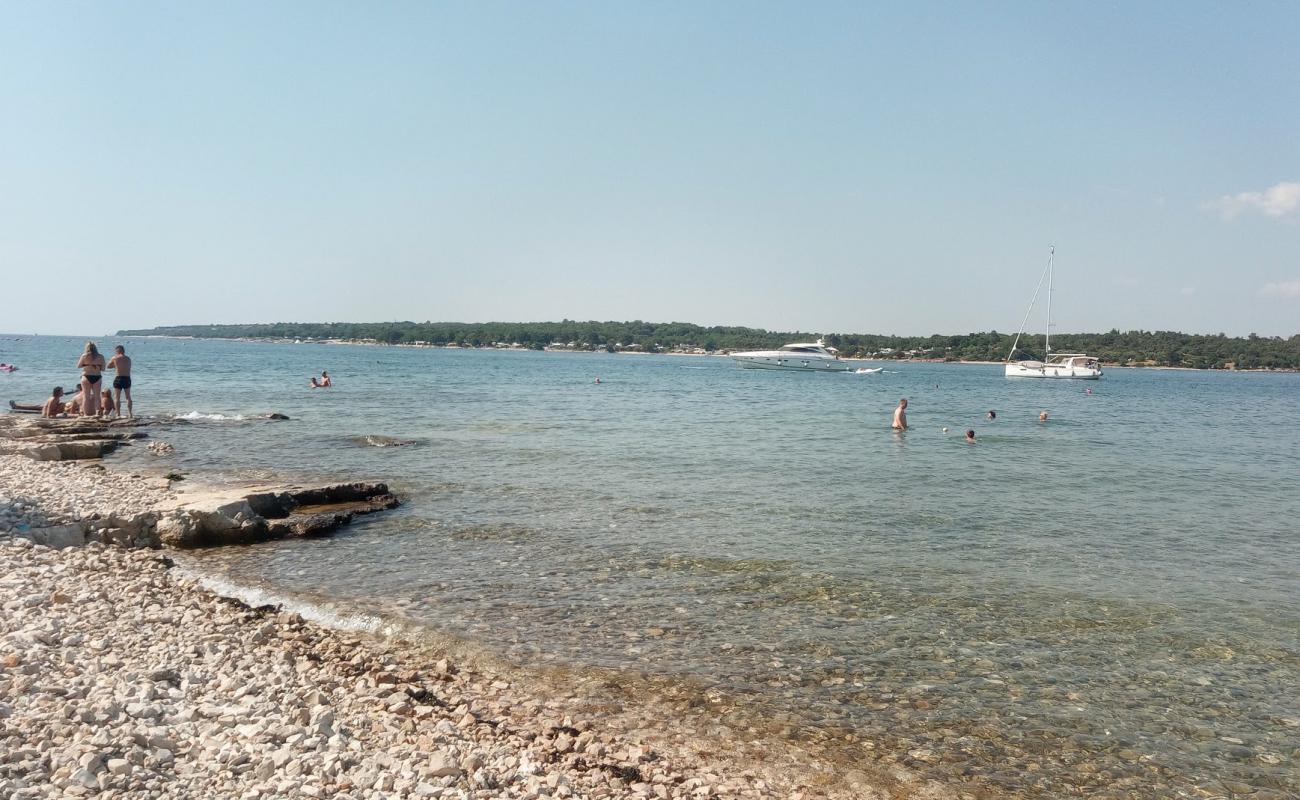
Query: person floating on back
(900, 416)
(122, 383)
(323, 382)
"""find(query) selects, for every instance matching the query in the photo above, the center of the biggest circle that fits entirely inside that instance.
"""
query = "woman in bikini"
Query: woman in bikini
(91, 365)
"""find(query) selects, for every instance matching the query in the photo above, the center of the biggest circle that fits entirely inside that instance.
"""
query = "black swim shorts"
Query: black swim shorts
(122, 382)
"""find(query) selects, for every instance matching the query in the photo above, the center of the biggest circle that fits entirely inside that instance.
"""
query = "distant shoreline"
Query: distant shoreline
(626, 352)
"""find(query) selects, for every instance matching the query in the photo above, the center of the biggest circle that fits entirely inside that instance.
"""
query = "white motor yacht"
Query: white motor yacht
(1061, 365)
(808, 356)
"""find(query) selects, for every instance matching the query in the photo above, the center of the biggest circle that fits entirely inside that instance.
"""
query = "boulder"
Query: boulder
(59, 536)
(177, 530)
(75, 450)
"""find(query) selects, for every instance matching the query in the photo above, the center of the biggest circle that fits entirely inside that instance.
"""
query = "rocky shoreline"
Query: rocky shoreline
(122, 676)
(122, 679)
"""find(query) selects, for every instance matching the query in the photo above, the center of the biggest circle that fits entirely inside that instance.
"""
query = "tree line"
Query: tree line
(1148, 348)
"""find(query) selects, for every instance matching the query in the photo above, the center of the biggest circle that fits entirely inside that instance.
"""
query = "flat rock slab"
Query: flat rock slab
(74, 450)
(233, 516)
(70, 439)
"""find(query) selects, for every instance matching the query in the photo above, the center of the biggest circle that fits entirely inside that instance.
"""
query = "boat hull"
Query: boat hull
(1039, 370)
(794, 364)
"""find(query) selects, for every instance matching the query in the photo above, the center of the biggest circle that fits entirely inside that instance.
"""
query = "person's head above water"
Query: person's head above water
(993, 414)
(970, 436)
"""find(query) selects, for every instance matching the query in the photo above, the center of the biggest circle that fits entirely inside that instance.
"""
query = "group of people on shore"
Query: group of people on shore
(900, 419)
(91, 399)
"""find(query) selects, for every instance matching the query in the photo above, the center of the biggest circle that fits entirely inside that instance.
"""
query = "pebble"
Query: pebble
(123, 678)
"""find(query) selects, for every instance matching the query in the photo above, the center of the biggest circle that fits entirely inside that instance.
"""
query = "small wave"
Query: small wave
(374, 440)
(256, 596)
(197, 415)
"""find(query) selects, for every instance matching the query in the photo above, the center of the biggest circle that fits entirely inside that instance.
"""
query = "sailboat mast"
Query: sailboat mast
(1037, 289)
(1051, 257)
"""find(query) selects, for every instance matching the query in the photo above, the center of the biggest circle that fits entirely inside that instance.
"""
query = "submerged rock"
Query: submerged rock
(376, 440)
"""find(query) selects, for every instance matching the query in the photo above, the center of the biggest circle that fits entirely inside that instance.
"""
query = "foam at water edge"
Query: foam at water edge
(201, 415)
(255, 596)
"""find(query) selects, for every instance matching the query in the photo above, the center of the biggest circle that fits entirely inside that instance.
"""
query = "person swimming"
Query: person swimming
(992, 415)
(323, 382)
(970, 437)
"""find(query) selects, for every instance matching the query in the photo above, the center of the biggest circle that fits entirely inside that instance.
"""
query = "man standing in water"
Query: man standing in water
(122, 383)
(900, 416)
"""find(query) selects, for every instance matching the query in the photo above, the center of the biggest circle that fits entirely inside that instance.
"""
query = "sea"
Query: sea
(1103, 604)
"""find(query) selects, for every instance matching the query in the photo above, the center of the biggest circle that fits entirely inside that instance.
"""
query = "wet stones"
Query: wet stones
(122, 677)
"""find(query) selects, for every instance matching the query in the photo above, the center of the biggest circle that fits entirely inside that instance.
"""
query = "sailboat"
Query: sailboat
(1062, 365)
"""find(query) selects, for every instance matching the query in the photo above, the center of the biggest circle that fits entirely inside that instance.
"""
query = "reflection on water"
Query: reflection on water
(1103, 605)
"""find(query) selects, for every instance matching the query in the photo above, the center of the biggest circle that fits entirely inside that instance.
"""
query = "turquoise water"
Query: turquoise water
(1105, 604)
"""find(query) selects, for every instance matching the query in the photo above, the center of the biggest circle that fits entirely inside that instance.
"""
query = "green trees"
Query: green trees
(1155, 348)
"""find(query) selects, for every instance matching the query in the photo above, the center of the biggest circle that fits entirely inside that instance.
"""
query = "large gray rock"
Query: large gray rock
(177, 530)
(59, 536)
(75, 450)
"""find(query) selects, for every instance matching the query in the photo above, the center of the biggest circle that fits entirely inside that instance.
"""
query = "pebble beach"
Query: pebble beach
(123, 676)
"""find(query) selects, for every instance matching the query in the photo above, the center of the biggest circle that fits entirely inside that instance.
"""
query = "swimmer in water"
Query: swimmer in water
(598, 380)
(900, 416)
(970, 437)
(1042, 417)
(992, 415)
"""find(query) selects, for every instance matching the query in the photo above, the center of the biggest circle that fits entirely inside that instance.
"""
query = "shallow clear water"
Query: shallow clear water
(1102, 604)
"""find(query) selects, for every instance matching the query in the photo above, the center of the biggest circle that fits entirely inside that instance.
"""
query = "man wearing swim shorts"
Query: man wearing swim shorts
(122, 383)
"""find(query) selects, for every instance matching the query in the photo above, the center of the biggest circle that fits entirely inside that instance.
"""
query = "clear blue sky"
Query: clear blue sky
(821, 166)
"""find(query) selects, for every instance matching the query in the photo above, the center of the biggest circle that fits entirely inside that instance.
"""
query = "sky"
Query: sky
(825, 167)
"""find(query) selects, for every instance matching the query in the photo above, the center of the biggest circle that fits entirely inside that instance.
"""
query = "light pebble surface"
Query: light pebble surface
(123, 677)
(39, 493)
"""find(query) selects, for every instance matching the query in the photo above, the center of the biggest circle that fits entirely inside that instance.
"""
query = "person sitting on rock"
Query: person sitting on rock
(54, 406)
(106, 405)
